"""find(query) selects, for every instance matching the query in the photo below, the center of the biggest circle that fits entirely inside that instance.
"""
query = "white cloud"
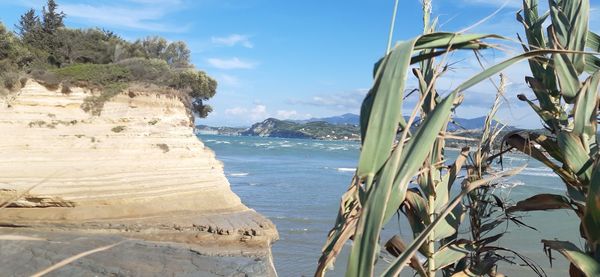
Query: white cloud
(236, 111)
(233, 40)
(287, 114)
(257, 113)
(232, 63)
(146, 15)
(349, 101)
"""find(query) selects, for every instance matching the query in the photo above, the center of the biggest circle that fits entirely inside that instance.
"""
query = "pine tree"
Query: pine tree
(28, 26)
(52, 20)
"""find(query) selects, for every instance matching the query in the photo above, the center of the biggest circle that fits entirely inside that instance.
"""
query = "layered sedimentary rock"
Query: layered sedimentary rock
(136, 171)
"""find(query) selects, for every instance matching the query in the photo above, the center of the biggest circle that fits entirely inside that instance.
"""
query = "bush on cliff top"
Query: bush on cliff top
(96, 58)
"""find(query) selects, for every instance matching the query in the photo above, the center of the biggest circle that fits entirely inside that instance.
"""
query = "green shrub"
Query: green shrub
(11, 80)
(95, 104)
(197, 84)
(94, 74)
(66, 87)
(141, 69)
(47, 78)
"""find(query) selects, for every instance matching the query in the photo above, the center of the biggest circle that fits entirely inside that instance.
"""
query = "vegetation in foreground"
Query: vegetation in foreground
(403, 170)
(59, 57)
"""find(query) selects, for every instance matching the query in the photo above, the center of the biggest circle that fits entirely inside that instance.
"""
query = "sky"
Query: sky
(303, 59)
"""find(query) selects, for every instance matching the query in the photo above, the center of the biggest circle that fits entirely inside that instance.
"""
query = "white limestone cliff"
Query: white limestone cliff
(136, 170)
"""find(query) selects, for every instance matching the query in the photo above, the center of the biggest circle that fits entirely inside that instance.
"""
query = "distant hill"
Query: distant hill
(354, 119)
(348, 118)
(272, 127)
(343, 127)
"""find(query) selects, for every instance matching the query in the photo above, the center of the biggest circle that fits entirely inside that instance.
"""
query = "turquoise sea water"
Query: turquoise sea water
(297, 184)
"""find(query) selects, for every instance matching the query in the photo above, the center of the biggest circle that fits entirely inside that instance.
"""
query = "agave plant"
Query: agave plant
(568, 108)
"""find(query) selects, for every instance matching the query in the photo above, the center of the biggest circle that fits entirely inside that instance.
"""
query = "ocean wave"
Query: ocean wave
(519, 159)
(297, 230)
(334, 148)
(509, 184)
(218, 141)
(540, 172)
(238, 174)
(258, 144)
(346, 169)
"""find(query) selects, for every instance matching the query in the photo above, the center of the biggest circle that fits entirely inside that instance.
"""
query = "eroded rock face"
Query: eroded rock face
(136, 170)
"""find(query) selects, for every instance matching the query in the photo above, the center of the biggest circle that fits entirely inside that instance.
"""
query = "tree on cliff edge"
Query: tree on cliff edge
(28, 25)
(52, 20)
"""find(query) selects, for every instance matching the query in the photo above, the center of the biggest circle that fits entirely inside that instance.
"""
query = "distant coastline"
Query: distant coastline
(338, 128)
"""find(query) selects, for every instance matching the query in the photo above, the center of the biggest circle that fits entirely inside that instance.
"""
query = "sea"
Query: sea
(297, 184)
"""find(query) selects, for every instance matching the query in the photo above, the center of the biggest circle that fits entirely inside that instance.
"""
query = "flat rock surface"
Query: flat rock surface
(25, 251)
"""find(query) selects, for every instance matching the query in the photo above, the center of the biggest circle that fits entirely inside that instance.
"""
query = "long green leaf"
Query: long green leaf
(386, 111)
(541, 202)
(567, 77)
(576, 155)
(591, 217)
(451, 253)
(578, 14)
(416, 151)
(585, 112)
(582, 261)
(445, 40)
(593, 41)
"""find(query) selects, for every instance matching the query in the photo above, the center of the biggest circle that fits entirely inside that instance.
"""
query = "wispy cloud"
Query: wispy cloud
(496, 3)
(233, 40)
(256, 113)
(287, 114)
(147, 15)
(236, 111)
(231, 63)
(349, 101)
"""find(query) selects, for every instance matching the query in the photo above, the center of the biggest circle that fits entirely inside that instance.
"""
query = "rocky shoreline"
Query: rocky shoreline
(136, 174)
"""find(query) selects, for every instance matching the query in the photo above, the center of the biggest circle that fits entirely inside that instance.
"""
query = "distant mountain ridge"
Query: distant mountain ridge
(272, 127)
(347, 118)
(342, 127)
(354, 119)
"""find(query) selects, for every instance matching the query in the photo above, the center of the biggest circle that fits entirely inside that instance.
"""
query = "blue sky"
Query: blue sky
(298, 59)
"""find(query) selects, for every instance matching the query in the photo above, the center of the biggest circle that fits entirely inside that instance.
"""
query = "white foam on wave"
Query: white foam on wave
(240, 174)
(333, 148)
(258, 144)
(346, 169)
(539, 171)
(510, 184)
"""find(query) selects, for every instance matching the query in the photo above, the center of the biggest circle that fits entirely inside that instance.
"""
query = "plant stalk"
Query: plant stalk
(431, 239)
(391, 35)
